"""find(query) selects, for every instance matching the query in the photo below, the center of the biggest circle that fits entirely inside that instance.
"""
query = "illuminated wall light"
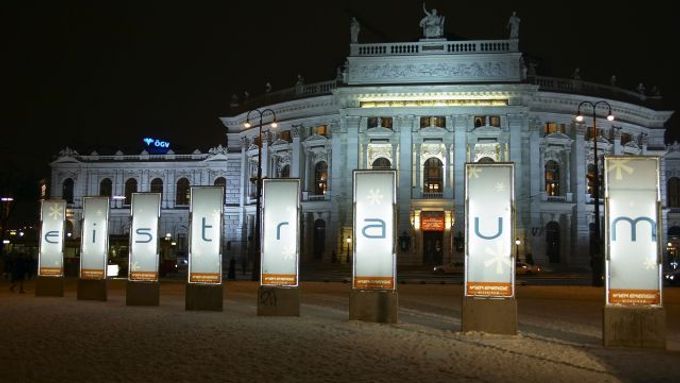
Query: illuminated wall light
(416, 220)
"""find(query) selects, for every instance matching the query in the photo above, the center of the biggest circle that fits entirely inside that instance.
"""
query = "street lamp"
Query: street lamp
(596, 258)
(256, 264)
(517, 243)
(349, 244)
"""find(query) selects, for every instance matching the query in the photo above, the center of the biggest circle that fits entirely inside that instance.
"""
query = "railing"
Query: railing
(564, 85)
(438, 47)
(292, 93)
(432, 195)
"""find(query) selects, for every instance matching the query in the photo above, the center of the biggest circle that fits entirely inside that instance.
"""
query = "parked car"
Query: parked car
(450, 268)
(523, 268)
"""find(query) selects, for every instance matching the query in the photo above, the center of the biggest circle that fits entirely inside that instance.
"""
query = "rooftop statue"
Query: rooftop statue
(513, 25)
(354, 30)
(432, 23)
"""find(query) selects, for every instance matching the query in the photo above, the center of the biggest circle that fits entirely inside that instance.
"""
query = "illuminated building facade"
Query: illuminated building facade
(424, 108)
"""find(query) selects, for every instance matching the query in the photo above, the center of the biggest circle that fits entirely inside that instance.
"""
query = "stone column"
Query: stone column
(404, 124)
(460, 157)
(580, 252)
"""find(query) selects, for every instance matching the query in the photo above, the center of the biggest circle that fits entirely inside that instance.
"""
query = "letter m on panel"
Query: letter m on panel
(633, 227)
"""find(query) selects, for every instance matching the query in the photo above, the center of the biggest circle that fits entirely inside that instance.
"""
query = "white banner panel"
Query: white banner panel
(633, 265)
(489, 229)
(374, 230)
(205, 236)
(280, 232)
(94, 238)
(51, 254)
(145, 211)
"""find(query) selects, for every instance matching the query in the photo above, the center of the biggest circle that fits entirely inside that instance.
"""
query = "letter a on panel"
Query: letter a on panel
(632, 199)
(374, 230)
(145, 211)
(205, 240)
(489, 215)
(51, 254)
(280, 232)
(94, 240)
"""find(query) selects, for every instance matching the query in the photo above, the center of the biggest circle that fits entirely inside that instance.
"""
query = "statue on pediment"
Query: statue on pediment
(432, 23)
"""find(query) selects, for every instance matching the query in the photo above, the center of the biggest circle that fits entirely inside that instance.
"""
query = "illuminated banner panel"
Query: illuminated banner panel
(632, 230)
(205, 239)
(94, 240)
(374, 230)
(51, 255)
(489, 227)
(145, 211)
(280, 232)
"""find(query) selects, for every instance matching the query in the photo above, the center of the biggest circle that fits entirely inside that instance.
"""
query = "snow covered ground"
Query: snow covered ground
(62, 339)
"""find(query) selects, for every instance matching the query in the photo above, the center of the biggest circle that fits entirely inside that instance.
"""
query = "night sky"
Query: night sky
(102, 75)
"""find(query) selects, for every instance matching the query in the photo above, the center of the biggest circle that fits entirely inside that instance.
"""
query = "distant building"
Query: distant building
(424, 108)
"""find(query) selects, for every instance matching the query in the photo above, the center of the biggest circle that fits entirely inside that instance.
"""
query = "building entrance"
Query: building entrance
(432, 226)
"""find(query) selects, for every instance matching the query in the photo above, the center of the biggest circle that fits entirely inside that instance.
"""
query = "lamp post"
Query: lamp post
(349, 244)
(517, 243)
(256, 263)
(596, 258)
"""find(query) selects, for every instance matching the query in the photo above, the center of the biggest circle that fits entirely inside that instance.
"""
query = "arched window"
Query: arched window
(433, 176)
(67, 190)
(220, 181)
(284, 172)
(183, 190)
(552, 178)
(486, 160)
(321, 178)
(673, 192)
(479, 121)
(157, 186)
(381, 163)
(106, 188)
(130, 187)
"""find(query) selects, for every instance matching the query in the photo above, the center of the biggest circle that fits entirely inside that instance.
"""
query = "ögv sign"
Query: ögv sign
(489, 198)
(374, 200)
(632, 219)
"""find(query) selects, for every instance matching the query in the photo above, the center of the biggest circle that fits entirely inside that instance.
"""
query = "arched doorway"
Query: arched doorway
(319, 238)
(552, 239)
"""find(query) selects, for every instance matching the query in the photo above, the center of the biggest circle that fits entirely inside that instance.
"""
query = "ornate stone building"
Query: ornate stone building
(424, 108)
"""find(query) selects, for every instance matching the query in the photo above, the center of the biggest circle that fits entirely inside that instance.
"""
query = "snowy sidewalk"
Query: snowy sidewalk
(62, 339)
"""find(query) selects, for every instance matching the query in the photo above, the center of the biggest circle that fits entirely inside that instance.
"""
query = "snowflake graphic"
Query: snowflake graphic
(55, 211)
(498, 257)
(57, 262)
(500, 187)
(374, 197)
(288, 253)
(136, 266)
(474, 171)
(650, 263)
(620, 166)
